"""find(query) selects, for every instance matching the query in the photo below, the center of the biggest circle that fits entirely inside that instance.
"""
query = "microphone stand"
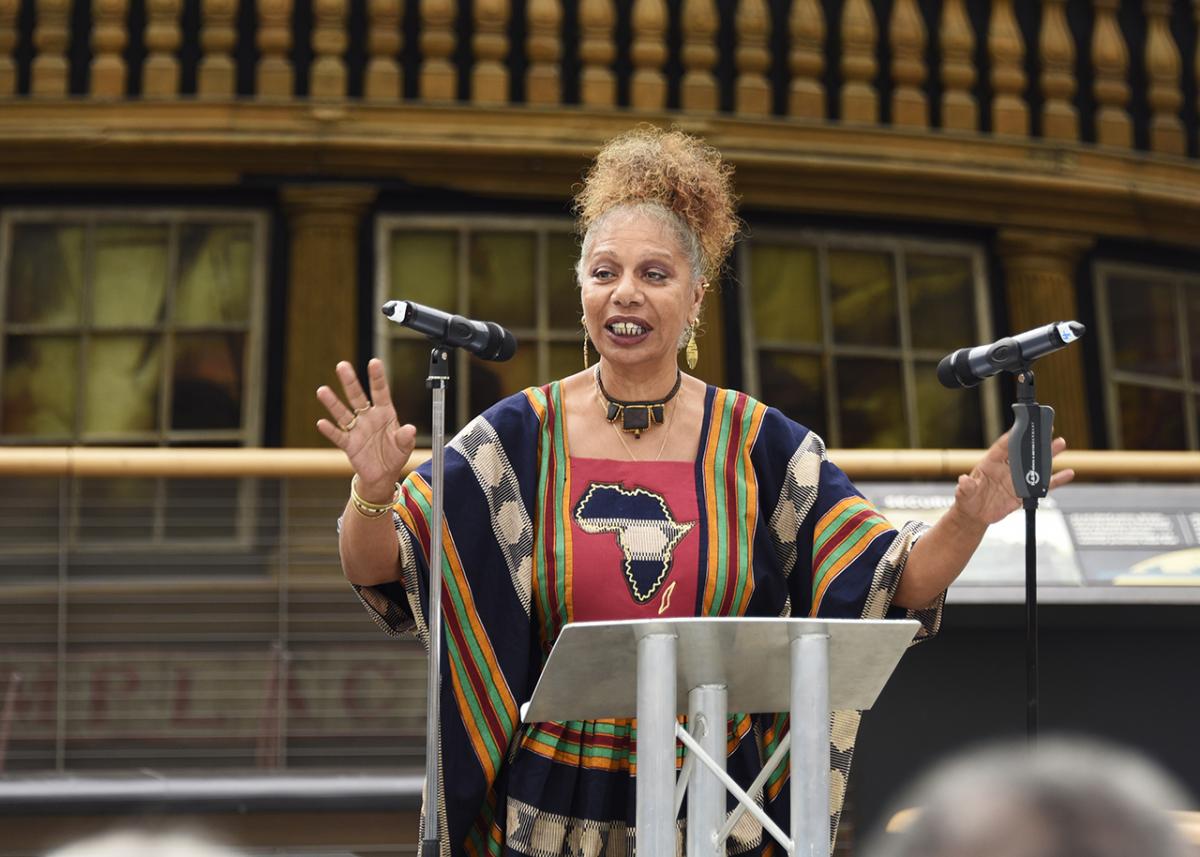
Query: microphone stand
(439, 377)
(1029, 462)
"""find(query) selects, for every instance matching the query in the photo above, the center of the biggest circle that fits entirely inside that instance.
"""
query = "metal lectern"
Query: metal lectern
(654, 670)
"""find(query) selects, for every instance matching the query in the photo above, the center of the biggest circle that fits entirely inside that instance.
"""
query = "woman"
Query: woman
(627, 490)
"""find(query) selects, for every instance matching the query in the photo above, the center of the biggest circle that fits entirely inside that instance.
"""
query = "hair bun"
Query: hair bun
(673, 169)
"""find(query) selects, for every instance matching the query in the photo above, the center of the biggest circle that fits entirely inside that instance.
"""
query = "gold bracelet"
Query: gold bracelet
(368, 509)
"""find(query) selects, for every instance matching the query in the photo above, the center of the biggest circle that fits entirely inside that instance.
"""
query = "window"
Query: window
(1150, 355)
(130, 328)
(844, 332)
(140, 328)
(519, 273)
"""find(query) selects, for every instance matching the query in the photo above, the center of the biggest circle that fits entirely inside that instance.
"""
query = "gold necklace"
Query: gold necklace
(602, 400)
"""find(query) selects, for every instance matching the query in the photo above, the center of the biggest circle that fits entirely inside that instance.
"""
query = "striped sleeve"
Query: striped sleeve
(858, 557)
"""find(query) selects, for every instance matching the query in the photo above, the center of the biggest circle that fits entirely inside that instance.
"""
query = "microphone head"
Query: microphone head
(508, 347)
(945, 372)
(501, 345)
(1069, 331)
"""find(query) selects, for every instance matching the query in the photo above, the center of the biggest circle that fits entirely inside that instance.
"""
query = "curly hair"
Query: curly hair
(670, 169)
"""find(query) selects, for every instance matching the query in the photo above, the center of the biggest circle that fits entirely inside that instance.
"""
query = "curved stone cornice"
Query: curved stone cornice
(540, 152)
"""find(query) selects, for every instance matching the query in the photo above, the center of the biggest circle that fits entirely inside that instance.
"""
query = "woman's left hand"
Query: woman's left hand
(986, 493)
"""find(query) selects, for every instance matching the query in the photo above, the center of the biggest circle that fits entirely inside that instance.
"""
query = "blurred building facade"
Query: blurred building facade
(203, 203)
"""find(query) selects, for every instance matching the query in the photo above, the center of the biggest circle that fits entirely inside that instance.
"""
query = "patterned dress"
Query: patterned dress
(761, 524)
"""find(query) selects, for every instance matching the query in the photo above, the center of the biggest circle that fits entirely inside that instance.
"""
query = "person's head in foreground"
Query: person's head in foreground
(137, 843)
(1064, 798)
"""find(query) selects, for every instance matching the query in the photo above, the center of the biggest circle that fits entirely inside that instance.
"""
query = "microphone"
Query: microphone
(483, 338)
(966, 367)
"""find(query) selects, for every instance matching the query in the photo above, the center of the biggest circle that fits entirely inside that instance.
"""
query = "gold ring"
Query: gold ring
(349, 425)
(363, 409)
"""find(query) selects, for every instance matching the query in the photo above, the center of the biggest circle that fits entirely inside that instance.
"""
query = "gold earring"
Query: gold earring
(692, 351)
(586, 356)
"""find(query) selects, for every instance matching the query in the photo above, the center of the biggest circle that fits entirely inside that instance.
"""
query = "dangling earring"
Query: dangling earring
(586, 356)
(692, 352)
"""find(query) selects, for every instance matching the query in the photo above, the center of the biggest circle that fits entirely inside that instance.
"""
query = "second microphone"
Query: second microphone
(483, 338)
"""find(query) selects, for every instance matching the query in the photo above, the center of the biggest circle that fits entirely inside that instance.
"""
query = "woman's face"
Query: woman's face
(639, 293)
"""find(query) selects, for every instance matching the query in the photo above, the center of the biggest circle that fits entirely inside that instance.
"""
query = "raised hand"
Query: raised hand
(986, 493)
(367, 430)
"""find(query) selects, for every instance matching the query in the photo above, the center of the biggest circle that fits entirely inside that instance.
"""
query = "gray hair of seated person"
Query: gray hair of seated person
(136, 843)
(1064, 798)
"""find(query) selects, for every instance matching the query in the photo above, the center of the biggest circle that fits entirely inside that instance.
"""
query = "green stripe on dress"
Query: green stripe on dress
(851, 542)
(493, 751)
(451, 588)
(742, 575)
(541, 579)
(560, 481)
(720, 487)
(831, 529)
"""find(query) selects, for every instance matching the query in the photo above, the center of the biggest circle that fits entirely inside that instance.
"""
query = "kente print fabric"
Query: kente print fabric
(761, 524)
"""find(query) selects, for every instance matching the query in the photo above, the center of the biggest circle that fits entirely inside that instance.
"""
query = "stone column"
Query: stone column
(323, 282)
(1039, 287)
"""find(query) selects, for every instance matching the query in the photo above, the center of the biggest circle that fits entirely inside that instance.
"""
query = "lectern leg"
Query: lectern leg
(706, 794)
(810, 745)
(656, 746)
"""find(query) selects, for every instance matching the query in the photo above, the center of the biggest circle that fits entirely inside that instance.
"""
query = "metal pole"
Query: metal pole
(439, 376)
(656, 745)
(810, 745)
(1031, 619)
(707, 704)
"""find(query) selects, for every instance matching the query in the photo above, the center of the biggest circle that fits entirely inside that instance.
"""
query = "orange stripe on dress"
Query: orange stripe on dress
(835, 511)
(843, 561)
(565, 523)
(729, 472)
(478, 631)
(751, 511)
(839, 536)
(710, 455)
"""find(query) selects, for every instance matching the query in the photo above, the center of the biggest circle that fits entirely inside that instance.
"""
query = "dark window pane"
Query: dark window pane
(207, 385)
(785, 294)
(871, 403)
(795, 384)
(201, 508)
(946, 419)
(123, 378)
(40, 383)
(502, 278)
(424, 267)
(565, 359)
(562, 254)
(1151, 418)
(117, 510)
(1193, 303)
(863, 288)
(1143, 316)
(45, 274)
(216, 267)
(492, 381)
(129, 278)
(408, 368)
(940, 301)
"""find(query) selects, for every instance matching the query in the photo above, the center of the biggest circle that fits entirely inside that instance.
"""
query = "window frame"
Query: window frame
(896, 245)
(1179, 279)
(173, 217)
(253, 380)
(464, 226)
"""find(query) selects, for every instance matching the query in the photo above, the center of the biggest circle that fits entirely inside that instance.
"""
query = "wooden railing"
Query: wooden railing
(88, 462)
(1118, 74)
